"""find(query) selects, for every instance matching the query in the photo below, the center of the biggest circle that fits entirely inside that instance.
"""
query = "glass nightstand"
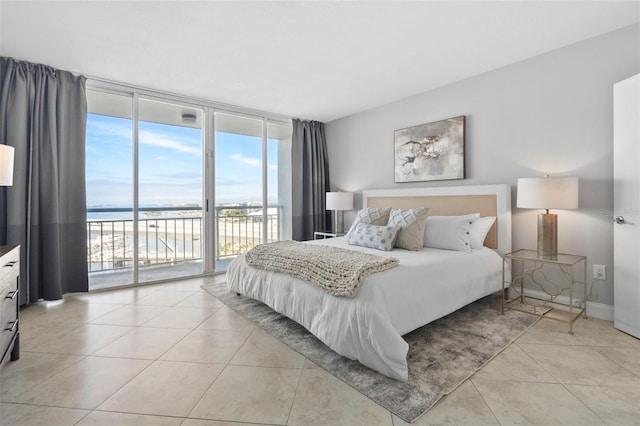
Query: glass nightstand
(553, 276)
(320, 235)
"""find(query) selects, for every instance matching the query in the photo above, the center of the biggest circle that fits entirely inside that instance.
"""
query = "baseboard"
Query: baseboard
(594, 309)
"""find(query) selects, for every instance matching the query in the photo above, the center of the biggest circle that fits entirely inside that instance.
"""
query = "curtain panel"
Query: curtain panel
(43, 115)
(310, 176)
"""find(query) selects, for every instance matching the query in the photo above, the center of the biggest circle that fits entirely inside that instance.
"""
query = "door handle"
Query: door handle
(620, 220)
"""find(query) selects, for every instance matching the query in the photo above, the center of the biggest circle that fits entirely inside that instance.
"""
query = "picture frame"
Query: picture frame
(432, 151)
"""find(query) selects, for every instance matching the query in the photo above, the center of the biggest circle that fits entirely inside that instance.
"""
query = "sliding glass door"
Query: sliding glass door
(177, 189)
(110, 187)
(252, 158)
(170, 193)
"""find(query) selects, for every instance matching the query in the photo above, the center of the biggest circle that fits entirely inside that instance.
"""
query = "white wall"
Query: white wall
(548, 114)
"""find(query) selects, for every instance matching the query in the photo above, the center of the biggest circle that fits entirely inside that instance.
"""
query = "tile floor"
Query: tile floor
(172, 354)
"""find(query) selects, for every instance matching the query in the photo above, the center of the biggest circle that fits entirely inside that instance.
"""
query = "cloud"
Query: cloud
(252, 162)
(228, 182)
(146, 137)
(247, 161)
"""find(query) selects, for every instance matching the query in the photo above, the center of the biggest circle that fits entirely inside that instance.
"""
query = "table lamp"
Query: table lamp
(548, 193)
(6, 165)
(339, 201)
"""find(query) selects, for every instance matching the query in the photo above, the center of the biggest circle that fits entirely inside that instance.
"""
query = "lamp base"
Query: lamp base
(547, 234)
(338, 224)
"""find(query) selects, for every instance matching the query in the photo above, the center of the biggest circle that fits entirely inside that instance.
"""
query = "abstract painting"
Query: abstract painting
(433, 151)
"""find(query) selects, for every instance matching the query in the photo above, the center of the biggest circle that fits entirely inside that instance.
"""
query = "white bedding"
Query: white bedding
(425, 286)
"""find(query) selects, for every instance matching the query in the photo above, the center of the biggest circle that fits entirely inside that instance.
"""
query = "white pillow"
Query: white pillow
(373, 236)
(411, 223)
(373, 216)
(479, 230)
(449, 232)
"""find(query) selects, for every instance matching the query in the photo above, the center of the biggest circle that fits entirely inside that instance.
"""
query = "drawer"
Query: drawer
(9, 324)
(9, 268)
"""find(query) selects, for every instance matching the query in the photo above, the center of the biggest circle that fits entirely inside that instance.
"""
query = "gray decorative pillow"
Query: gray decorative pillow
(373, 216)
(373, 236)
(411, 223)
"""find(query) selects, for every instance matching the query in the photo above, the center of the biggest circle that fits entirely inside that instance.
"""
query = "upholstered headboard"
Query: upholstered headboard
(488, 200)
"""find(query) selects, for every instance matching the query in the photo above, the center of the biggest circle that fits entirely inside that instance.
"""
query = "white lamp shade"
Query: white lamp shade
(548, 193)
(339, 201)
(6, 165)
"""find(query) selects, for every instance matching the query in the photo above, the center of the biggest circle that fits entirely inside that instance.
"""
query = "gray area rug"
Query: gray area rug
(442, 354)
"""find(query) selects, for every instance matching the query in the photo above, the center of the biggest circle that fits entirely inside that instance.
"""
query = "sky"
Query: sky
(170, 165)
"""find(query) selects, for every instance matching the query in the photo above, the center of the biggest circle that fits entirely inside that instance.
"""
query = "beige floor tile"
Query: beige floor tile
(226, 319)
(311, 365)
(35, 330)
(514, 364)
(106, 418)
(628, 358)
(534, 404)
(463, 406)
(164, 388)
(30, 370)
(34, 311)
(162, 298)
(143, 343)
(190, 285)
(86, 384)
(265, 350)
(83, 340)
(195, 422)
(72, 310)
(211, 346)
(549, 332)
(31, 415)
(201, 300)
(322, 399)
(249, 394)
(119, 296)
(178, 317)
(597, 332)
(616, 406)
(580, 365)
(130, 315)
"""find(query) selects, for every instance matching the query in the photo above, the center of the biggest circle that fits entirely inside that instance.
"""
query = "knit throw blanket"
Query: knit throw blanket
(335, 270)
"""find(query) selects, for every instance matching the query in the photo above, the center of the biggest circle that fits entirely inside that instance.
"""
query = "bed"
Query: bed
(426, 285)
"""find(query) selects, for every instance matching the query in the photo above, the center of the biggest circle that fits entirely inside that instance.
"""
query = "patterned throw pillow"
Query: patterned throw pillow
(373, 216)
(411, 223)
(373, 236)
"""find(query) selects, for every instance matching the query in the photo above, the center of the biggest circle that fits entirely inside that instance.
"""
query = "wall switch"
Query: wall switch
(599, 272)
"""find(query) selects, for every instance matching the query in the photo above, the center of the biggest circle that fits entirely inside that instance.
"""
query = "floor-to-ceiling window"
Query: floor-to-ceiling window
(110, 187)
(252, 156)
(178, 189)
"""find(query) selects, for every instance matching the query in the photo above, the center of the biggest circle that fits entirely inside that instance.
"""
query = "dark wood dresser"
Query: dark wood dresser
(9, 303)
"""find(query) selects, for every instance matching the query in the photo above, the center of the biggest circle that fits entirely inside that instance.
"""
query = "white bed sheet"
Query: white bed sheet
(425, 286)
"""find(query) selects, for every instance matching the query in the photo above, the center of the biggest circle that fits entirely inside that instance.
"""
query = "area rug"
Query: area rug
(442, 354)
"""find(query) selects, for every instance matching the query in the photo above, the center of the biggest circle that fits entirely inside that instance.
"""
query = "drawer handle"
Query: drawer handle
(11, 264)
(12, 294)
(14, 325)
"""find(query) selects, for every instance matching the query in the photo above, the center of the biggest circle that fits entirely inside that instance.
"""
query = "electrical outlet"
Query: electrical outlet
(599, 272)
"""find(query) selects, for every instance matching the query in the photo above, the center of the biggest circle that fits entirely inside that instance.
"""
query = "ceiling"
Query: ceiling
(310, 59)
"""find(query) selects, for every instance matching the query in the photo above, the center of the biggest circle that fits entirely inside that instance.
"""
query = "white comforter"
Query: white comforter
(427, 285)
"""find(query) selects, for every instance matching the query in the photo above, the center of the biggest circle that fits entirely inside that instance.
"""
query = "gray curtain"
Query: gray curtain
(43, 114)
(310, 174)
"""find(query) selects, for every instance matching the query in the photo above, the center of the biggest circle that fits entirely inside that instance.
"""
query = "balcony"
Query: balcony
(169, 241)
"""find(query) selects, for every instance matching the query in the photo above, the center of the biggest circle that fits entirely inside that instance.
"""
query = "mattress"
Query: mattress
(425, 286)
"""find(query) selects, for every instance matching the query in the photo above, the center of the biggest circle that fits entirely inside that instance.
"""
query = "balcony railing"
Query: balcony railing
(172, 235)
